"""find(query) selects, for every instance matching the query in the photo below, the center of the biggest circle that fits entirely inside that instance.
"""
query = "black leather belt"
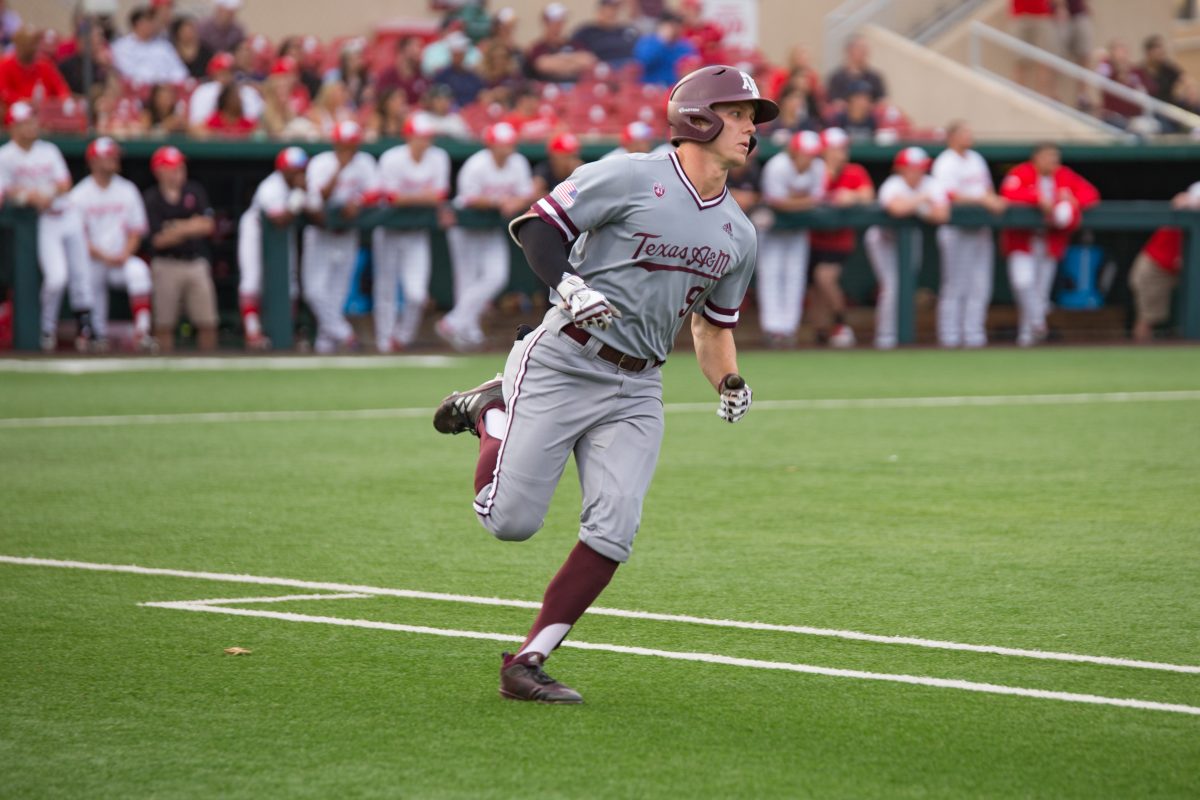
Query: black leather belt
(611, 354)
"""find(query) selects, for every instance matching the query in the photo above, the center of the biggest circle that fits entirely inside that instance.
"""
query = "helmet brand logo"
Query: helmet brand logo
(689, 111)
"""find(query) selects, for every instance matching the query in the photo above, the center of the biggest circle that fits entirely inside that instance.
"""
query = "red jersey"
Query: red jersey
(1165, 249)
(239, 127)
(1024, 185)
(20, 81)
(852, 176)
(1039, 8)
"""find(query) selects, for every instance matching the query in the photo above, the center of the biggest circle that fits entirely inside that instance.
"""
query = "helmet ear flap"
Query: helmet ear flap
(753, 144)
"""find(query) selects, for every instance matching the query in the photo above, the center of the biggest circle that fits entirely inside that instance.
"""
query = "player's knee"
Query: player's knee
(512, 527)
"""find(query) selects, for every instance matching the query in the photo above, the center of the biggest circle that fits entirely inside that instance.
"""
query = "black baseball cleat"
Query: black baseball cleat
(460, 411)
(522, 678)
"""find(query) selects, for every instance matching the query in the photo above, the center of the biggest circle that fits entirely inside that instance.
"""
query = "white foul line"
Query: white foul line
(355, 589)
(93, 366)
(831, 404)
(708, 658)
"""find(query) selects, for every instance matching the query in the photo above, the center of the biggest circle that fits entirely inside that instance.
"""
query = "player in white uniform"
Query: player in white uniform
(281, 197)
(414, 174)
(908, 192)
(340, 179)
(500, 179)
(34, 173)
(968, 254)
(114, 221)
(791, 181)
(636, 137)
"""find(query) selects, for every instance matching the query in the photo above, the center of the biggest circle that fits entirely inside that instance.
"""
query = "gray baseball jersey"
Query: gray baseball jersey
(644, 236)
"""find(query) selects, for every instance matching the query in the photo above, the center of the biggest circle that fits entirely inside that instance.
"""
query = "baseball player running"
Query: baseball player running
(497, 178)
(339, 179)
(1061, 194)
(281, 197)
(908, 192)
(411, 175)
(34, 173)
(792, 180)
(114, 222)
(968, 254)
(654, 240)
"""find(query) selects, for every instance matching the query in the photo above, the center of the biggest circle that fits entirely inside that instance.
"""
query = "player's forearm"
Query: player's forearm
(545, 251)
(716, 352)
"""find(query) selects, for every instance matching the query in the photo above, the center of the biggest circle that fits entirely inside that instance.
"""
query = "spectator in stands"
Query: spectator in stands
(1033, 255)
(204, 100)
(164, 113)
(463, 81)
(846, 184)
(1119, 67)
(704, 35)
(562, 158)
(795, 114)
(438, 103)
(636, 137)
(229, 120)
(1187, 94)
(305, 52)
(10, 23)
(221, 32)
(660, 52)
(285, 102)
(554, 58)
(531, 118)
(1033, 23)
(144, 59)
(404, 73)
(606, 37)
(99, 54)
(857, 117)
(388, 116)
(1158, 72)
(352, 70)
(26, 75)
(437, 54)
(330, 106)
(470, 17)
(500, 73)
(194, 54)
(1156, 269)
(504, 31)
(1078, 41)
(180, 225)
(246, 66)
(855, 70)
(162, 12)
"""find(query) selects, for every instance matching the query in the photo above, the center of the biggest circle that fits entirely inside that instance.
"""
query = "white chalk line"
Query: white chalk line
(707, 658)
(97, 366)
(831, 404)
(355, 589)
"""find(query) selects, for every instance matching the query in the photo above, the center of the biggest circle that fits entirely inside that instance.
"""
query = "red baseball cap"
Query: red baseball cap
(418, 124)
(220, 62)
(834, 137)
(284, 65)
(500, 133)
(102, 147)
(167, 156)
(564, 144)
(347, 132)
(911, 157)
(636, 131)
(18, 112)
(807, 142)
(291, 158)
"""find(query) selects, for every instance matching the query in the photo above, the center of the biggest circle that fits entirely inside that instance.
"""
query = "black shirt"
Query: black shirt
(193, 201)
(843, 81)
(611, 45)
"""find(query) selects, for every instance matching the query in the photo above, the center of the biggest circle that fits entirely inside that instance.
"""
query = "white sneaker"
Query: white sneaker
(842, 337)
(49, 342)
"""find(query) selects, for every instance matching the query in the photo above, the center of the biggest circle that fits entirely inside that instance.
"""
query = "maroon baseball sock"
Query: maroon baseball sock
(489, 450)
(576, 586)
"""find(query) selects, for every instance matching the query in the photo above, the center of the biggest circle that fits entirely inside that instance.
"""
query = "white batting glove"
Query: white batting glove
(735, 398)
(296, 200)
(587, 307)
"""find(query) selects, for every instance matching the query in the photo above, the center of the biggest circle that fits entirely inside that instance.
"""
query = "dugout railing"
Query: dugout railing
(278, 322)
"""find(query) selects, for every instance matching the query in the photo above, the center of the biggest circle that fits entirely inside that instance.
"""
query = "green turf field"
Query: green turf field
(1068, 524)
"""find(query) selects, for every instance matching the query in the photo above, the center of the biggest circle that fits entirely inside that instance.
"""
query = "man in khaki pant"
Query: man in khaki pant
(1155, 272)
(181, 222)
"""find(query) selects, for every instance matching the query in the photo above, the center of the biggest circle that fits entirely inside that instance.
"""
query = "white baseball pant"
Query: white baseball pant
(1031, 276)
(968, 260)
(883, 254)
(250, 261)
(63, 255)
(782, 277)
(133, 276)
(479, 260)
(326, 267)
(403, 257)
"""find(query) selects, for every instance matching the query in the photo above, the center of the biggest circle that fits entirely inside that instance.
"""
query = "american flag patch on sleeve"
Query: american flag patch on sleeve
(565, 193)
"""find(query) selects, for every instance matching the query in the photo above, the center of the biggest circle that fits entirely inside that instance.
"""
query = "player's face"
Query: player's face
(836, 158)
(802, 161)
(25, 133)
(912, 175)
(294, 178)
(1047, 160)
(104, 166)
(963, 138)
(501, 151)
(732, 145)
(171, 177)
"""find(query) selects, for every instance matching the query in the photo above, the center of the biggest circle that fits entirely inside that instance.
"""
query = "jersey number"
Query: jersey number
(692, 295)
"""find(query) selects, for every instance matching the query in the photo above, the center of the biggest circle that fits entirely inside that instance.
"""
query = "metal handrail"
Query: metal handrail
(840, 23)
(982, 31)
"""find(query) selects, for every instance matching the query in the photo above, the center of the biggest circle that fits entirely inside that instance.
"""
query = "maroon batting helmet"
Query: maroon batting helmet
(696, 94)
